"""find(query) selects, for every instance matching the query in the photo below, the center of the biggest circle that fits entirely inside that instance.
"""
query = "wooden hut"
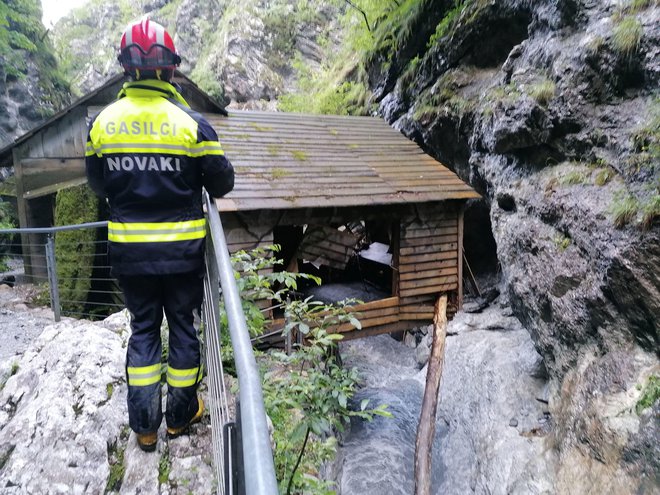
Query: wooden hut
(323, 187)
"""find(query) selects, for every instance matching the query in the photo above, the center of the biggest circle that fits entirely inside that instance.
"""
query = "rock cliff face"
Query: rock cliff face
(31, 88)
(548, 109)
(242, 51)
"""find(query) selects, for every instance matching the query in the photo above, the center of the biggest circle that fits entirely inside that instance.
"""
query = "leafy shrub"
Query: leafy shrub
(307, 394)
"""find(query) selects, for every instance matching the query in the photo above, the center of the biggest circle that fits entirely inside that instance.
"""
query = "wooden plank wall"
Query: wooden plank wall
(428, 260)
(328, 245)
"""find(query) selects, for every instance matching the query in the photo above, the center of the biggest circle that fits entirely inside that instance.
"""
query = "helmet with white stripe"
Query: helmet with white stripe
(147, 46)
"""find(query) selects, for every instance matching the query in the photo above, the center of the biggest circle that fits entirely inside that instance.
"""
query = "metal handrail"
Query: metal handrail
(254, 426)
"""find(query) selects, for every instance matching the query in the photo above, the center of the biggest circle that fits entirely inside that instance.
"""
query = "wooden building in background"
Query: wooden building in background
(324, 187)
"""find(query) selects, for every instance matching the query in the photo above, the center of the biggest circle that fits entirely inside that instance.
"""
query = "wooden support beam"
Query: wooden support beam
(426, 428)
(53, 188)
(461, 214)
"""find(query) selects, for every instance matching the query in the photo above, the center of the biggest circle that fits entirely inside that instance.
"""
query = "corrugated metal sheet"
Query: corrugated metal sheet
(285, 160)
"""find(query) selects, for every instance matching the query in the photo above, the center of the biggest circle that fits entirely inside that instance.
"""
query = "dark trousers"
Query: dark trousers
(146, 297)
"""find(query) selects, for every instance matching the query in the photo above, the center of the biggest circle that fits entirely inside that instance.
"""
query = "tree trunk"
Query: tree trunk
(426, 428)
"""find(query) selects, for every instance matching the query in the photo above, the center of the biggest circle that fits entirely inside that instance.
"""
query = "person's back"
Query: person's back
(149, 154)
(158, 154)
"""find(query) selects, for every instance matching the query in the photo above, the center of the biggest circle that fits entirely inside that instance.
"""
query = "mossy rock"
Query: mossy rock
(75, 249)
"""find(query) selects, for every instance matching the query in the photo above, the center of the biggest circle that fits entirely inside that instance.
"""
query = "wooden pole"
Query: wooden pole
(426, 428)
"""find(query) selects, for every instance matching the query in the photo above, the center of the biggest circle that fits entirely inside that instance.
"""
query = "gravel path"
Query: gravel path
(20, 321)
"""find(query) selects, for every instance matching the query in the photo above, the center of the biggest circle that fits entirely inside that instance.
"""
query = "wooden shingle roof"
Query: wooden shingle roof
(285, 160)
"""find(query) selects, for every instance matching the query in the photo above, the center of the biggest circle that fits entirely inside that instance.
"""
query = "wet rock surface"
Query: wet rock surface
(63, 420)
(546, 128)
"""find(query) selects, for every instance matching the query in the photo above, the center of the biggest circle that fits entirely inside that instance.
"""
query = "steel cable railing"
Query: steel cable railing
(80, 287)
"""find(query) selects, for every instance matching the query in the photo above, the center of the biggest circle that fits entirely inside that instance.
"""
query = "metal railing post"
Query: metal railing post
(253, 425)
(52, 277)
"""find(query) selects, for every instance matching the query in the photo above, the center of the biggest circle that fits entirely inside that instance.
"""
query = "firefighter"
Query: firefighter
(149, 154)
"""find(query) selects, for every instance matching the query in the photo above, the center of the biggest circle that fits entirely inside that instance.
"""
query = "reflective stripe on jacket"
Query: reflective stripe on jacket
(150, 155)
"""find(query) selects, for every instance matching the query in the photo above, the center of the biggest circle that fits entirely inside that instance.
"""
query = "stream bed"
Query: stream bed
(492, 423)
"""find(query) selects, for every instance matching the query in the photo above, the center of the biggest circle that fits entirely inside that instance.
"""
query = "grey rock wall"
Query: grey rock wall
(588, 292)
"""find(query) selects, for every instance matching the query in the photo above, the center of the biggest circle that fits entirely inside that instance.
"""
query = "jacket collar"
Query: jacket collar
(149, 87)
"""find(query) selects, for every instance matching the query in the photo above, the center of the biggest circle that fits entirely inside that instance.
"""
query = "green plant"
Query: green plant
(313, 396)
(650, 211)
(164, 467)
(278, 173)
(257, 281)
(14, 368)
(307, 393)
(624, 209)
(650, 395)
(603, 176)
(573, 177)
(595, 44)
(109, 388)
(542, 91)
(645, 140)
(117, 468)
(562, 243)
(448, 23)
(627, 35)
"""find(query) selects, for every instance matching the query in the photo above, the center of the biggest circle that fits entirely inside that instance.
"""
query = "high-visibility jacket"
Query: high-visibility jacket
(149, 154)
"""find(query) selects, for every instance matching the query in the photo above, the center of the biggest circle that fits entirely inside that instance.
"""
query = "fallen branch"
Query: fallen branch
(426, 428)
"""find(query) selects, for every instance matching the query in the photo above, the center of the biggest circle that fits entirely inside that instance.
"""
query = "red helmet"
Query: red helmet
(145, 45)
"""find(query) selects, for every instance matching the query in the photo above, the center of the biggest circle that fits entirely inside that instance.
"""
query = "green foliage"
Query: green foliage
(74, 249)
(542, 91)
(634, 7)
(650, 209)
(117, 467)
(444, 97)
(23, 41)
(327, 92)
(562, 243)
(627, 35)
(624, 209)
(257, 281)
(164, 467)
(311, 399)
(604, 176)
(278, 173)
(208, 82)
(573, 177)
(646, 138)
(7, 221)
(650, 395)
(447, 24)
(307, 394)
